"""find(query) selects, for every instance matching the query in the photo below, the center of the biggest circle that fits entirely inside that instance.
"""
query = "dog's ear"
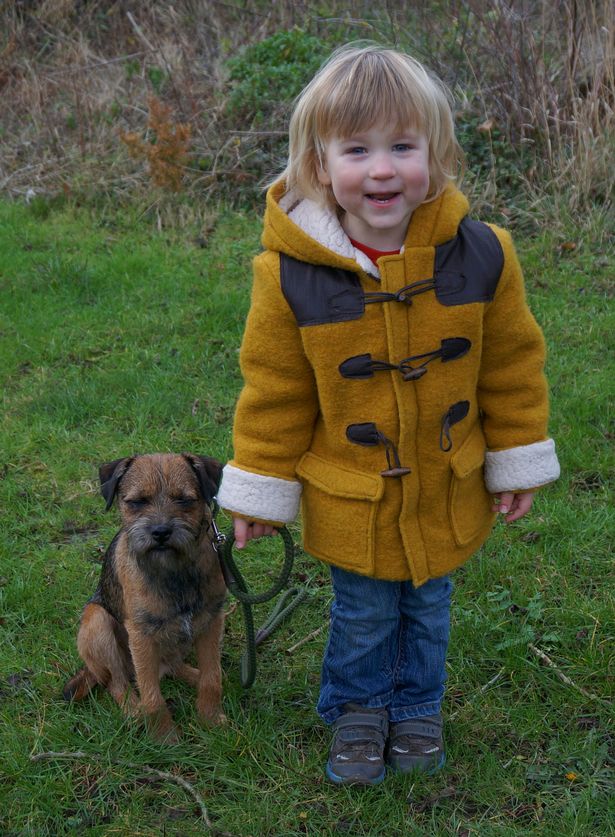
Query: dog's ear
(110, 476)
(208, 472)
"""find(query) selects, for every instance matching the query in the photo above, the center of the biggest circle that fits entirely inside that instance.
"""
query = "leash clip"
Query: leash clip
(219, 538)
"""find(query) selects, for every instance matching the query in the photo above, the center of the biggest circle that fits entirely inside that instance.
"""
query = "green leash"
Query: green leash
(236, 584)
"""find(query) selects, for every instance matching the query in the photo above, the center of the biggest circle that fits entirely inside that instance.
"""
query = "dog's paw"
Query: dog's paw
(160, 726)
(212, 717)
(129, 701)
(169, 736)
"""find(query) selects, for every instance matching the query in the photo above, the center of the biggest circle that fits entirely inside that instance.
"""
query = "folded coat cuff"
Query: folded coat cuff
(257, 496)
(521, 468)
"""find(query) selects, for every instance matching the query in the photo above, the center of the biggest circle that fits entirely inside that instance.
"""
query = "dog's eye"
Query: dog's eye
(137, 502)
(185, 502)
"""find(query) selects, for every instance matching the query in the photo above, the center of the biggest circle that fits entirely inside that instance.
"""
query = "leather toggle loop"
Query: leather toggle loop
(363, 434)
(368, 434)
(455, 413)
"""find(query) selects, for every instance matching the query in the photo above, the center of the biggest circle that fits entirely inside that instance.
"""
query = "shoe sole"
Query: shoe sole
(342, 780)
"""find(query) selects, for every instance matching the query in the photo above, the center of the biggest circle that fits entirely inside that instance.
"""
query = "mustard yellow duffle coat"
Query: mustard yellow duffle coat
(390, 401)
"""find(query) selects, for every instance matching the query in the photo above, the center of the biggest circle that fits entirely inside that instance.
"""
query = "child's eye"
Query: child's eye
(356, 149)
(403, 146)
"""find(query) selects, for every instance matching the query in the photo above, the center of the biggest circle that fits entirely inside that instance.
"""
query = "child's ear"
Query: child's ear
(323, 175)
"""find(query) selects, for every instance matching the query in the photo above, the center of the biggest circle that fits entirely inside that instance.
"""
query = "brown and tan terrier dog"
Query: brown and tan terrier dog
(161, 590)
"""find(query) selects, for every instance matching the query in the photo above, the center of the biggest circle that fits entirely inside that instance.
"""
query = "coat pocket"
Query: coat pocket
(339, 512)
(469, 502)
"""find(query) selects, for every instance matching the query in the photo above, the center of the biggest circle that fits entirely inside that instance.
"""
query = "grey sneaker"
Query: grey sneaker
(416, 744)
(357, 752)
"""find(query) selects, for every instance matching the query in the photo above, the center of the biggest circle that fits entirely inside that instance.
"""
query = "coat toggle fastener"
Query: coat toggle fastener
(404, 294)
(368, 434)
(363, 366)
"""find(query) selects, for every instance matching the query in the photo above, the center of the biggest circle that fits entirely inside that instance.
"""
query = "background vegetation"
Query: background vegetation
(134, 145)
(533, 82)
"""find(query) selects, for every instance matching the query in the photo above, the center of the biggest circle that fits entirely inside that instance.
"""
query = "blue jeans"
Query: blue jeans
(387, 646)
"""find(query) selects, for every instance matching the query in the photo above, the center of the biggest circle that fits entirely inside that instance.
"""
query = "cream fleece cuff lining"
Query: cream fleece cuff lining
(521, 468)
(255, 495)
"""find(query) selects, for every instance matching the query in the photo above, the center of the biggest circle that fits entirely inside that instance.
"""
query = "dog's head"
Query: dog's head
(163, 498)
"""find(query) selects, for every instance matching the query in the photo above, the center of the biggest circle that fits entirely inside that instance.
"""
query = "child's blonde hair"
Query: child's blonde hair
(361, 86)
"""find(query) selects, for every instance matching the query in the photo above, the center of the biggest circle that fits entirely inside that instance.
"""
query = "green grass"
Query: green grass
(117, 339)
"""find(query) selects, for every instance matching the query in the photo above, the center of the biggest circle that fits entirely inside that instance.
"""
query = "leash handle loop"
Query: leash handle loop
(234, 579)
(238, 587)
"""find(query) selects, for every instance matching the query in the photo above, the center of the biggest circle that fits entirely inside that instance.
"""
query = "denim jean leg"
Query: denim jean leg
(420, 671)
(363, 644)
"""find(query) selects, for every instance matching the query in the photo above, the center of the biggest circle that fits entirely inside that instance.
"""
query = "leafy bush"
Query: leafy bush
(495, 168)
(269, 74)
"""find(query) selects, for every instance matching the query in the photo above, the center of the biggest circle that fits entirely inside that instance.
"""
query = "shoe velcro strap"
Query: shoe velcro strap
(367, 720)
(359, 735)
(418, 727)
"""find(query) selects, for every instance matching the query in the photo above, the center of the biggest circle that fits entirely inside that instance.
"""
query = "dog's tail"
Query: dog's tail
(80, 685)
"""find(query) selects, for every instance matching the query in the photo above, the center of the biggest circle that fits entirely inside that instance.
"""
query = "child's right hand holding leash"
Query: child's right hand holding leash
(512, 504)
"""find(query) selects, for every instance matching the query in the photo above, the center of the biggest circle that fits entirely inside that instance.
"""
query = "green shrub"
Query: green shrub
(271, 73)
(491, 158)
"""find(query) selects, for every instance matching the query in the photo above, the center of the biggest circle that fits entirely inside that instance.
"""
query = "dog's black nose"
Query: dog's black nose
(161, 534)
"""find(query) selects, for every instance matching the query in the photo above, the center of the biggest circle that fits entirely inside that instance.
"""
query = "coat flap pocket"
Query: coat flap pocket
(470, 456)
(339, 481)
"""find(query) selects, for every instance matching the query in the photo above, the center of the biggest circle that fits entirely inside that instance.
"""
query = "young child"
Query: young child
(393, 385)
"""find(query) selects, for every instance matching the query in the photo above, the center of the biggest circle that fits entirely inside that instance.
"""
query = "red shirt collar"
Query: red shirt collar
(372, 253)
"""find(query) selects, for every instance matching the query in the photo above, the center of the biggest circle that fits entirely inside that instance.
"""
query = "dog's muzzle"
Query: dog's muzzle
(146, 536)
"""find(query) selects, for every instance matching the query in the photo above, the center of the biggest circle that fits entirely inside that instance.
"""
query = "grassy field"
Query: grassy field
(117, 338)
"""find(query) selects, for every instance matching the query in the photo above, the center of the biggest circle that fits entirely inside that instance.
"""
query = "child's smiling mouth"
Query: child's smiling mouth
(384, 198)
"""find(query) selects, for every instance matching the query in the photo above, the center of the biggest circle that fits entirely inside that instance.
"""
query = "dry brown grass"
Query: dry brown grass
(75, 77)
(547, 75)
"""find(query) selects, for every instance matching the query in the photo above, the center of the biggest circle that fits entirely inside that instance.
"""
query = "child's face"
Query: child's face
(378, 177)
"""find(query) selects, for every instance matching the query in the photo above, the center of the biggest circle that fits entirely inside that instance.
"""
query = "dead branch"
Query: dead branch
(144, 768)
(482, 689)
(140, 33)
(72, 68)
(563, 677)
(305, 639)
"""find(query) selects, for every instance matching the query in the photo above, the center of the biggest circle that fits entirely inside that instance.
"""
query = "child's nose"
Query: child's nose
(382, 166)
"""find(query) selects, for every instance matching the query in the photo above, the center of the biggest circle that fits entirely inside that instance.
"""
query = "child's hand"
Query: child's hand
(246, 530)
(513, 505)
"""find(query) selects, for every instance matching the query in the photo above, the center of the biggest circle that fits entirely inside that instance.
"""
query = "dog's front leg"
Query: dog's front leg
(146, 660)
(209, 688)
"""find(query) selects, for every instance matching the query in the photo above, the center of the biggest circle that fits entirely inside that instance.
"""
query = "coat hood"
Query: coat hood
(305, 230)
